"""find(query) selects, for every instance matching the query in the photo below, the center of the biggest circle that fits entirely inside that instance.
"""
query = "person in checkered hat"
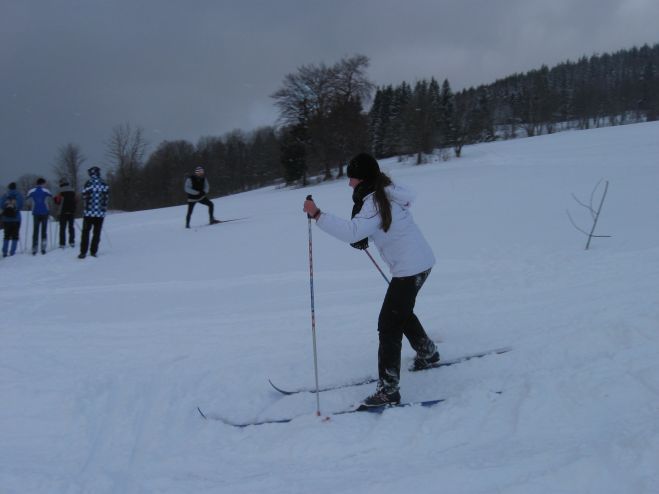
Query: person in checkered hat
(197, 188)
(96, 196)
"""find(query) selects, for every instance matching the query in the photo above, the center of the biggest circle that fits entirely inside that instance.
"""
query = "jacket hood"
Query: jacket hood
(401, 195)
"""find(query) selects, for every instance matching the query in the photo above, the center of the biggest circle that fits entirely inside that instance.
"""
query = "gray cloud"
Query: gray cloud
(72, 70)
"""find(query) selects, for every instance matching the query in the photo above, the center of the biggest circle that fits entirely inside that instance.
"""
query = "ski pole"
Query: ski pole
(376, 265)
(27, 218)
(104, 232)
(313, 314)
(51, 237)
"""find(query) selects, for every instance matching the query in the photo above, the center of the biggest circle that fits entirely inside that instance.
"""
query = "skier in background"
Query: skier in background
(96, 196)
(11, 204)
(40, 212)
(197, 188)
(67, 200)
(381, 212)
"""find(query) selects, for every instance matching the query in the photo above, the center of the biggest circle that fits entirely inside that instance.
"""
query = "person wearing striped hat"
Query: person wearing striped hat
(197, 188)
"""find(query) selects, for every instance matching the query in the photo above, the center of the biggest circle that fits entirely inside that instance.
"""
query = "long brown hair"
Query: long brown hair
(382, 201)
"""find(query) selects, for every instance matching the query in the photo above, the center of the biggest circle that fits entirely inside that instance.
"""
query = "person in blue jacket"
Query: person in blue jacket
(11, 204)
(40, 211)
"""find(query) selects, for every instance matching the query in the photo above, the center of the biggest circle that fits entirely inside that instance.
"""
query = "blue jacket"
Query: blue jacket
(39, 195)
(12, 195)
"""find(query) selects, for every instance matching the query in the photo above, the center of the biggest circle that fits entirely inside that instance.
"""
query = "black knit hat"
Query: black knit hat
(12, 186)
(363, 167)
(94, 171)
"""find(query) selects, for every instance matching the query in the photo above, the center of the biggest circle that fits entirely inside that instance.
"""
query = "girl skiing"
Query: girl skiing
(381, 213)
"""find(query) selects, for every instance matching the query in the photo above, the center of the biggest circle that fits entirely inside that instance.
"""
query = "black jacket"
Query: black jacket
(66, 200)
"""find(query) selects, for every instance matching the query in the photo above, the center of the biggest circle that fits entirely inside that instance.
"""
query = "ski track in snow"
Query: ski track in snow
(104, 361)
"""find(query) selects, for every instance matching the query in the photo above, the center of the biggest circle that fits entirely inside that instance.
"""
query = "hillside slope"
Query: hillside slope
(105, 360)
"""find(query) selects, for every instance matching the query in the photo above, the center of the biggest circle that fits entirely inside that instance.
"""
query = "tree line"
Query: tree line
(323, 122)
(609, 89)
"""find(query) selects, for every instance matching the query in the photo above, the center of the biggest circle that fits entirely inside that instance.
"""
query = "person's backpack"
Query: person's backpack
(9, 207)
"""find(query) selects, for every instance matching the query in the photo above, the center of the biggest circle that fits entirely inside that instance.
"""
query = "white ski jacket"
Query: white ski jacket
(403, 247)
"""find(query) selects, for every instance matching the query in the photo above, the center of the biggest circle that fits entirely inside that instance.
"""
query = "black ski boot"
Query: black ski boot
(382, 397)
(213, 221)
(421, 363)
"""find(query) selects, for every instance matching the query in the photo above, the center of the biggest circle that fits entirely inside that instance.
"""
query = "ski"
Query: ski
(369, 380)
(219, 222)
(359, 409)
(227, 221)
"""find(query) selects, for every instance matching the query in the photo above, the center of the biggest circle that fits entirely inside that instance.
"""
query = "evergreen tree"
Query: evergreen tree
(396, 144)
(446, 116)
(293, 154)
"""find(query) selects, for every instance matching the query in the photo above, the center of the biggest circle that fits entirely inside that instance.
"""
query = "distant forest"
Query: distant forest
(323, 122)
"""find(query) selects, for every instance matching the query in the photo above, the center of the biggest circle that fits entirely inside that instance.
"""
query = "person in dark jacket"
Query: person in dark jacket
(11, 204)
(197, 188)
(40, 212)
(96, 196)
(67, 200)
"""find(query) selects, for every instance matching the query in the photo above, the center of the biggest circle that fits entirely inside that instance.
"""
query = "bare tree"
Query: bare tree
(125, 149)
(309, 97)
(594, 213)
(68, 164)
(26, 182)
(350, 80)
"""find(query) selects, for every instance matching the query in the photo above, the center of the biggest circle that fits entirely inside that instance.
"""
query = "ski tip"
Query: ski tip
(202, 413)
(277, 388)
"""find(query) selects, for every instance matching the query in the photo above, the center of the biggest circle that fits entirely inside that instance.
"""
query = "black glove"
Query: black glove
(361, 245)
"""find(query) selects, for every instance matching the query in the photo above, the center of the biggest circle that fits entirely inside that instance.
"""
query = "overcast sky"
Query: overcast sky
(72, 70)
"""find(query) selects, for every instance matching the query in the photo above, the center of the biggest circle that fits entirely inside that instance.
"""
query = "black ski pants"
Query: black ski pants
(206, 202)
(40, 224)
(66, 220)
(88, 223)
(396, 319)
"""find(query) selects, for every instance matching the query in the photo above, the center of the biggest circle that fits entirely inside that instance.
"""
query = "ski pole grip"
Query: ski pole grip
(309, 199)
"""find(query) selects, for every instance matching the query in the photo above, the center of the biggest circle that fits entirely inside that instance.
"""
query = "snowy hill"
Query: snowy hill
(104, 361)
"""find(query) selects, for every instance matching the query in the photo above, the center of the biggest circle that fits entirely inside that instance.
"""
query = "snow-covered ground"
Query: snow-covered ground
(104, 361)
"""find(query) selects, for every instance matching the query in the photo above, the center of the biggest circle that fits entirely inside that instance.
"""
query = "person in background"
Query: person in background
(381, 213)
(96, 196)
(66, 200)
(11, 204)
(40, 211)
(197, 188)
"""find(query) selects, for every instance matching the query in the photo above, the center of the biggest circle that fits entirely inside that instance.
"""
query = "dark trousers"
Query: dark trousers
(88, 223)
(66, 220)
(396, 319)
(12, 229)
(206, 202)
(40, 223)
